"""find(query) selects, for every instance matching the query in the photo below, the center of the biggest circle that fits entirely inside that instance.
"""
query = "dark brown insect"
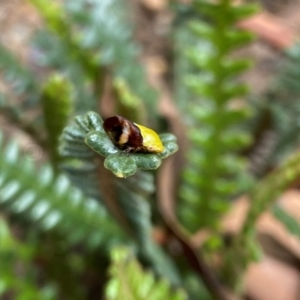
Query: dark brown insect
(131, 137)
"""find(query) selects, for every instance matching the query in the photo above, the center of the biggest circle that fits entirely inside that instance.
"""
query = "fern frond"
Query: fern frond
(21, 83)
(128, 104)
(129, 281)
(245, 248)
(57, 22)
(96, 41)
(117, 49)
(19, 77)
(133, 200)
(132, 195)
(12, 253)
(277, 111)
(289, 222)
(52, 202)
(215, 171)
(57, 106)
(283, 99)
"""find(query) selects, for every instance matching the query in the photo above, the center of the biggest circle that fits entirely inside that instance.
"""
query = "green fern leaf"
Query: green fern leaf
(245, 248)
(129, 281)
(214, 170)
(290, 223)
(56, 101)
(23, 286)
(52, 202)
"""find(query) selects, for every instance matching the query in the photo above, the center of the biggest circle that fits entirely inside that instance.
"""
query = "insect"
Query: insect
(132, 137)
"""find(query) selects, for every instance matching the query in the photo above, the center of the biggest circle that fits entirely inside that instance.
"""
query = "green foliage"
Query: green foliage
(85, 49)
(85, 45)
(128, 104)
(78, 160)
(283, 99)
(130, 281)
(18, 76)
(133, 195)
(215, 171)
(21, 83)
(56, 101)
(264, 194)
(58, 23)
(133, 199)
(275, 124)
(50, 202)
(290, 223)
(23, 286)
(89, 47)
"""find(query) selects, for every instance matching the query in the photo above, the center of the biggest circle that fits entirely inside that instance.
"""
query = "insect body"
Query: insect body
(131, 137)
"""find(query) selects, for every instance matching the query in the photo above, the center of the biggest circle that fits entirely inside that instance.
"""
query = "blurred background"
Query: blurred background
(219, 219)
